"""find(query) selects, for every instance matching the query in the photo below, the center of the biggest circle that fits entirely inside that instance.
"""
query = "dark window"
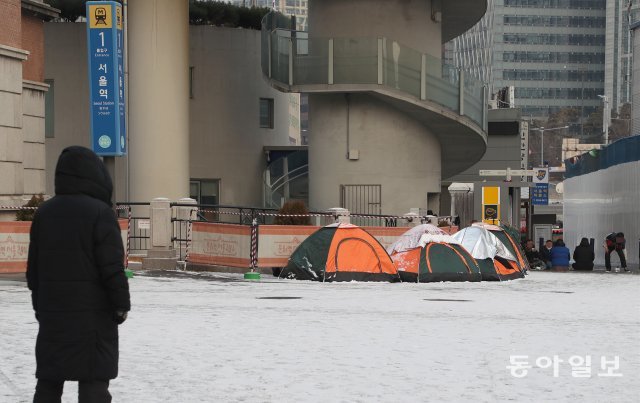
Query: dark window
(266, 113)
(504, 128)
(205, 191)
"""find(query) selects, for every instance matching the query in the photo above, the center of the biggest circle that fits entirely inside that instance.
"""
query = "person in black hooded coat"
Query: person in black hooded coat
(79, 289)
(583, 256)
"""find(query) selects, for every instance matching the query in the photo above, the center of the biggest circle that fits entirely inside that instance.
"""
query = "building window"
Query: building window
(49, 111)
(205, 191)
(266, 113)
(191, 81)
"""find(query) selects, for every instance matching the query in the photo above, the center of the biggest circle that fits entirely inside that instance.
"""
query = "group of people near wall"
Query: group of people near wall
(557, 257)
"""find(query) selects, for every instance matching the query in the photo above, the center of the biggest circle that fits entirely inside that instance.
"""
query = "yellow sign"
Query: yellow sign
(100, 16)
(119, 17)
(491, 204)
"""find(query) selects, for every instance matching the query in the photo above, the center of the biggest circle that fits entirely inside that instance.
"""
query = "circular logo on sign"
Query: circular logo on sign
(104, 141)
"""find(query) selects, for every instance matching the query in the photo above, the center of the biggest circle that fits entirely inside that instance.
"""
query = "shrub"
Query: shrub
(27, 214)
(293, 207)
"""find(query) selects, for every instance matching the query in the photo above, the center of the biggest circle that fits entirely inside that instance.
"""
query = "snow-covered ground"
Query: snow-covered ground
(216, 338)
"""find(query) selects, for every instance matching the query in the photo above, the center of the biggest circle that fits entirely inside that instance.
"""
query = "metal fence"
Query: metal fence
(139, 224)
(183, 215)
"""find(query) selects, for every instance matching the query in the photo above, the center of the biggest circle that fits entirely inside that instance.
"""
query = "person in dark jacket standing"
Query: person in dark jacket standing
(615, 242)
(560, 256)
(79, 289)
(583, 256)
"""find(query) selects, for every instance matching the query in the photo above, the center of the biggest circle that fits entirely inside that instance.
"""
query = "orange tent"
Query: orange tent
(341, 252)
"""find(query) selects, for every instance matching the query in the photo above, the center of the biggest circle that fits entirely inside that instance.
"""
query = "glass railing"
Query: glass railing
(286, 178)
(294, 59)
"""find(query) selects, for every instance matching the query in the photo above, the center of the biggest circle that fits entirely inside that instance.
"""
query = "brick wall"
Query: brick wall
(10, 31)
(33, 41)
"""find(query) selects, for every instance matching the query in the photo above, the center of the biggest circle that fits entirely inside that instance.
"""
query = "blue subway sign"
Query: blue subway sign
(105, 42)
(540, 194)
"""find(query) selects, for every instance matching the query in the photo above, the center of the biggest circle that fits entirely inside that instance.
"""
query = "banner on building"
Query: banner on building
(105, 41)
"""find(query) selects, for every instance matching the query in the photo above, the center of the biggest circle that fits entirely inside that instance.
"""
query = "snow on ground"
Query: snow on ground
(214, 338)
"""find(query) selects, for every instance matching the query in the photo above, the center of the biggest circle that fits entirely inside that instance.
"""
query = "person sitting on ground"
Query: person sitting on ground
(583, 255)
(545, 253)
(615, 241)
(533, 257)
(560, 256)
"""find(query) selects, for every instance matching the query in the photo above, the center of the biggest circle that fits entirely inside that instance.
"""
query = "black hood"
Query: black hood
(584, 242)
(80, 171)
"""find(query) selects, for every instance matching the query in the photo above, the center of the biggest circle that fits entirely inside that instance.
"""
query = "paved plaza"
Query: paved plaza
(214, 337)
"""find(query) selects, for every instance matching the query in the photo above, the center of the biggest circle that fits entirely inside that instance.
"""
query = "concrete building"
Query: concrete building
(635, 84)
(552, 52)
(298, 8)
(22, 94)
(387, 120)
(507, 135)
(618, 55)
(232, 114)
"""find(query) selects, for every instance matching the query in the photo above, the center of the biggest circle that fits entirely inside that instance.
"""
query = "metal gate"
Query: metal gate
(363, 199)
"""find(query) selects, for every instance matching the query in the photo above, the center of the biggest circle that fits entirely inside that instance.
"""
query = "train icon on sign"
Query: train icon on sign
(100, 15)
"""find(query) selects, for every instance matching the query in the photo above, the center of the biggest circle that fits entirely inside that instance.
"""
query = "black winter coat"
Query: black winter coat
(583, 255)
(76, 273)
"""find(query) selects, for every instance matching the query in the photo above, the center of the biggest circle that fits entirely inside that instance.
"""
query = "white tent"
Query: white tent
(411, 238)
(482, 244)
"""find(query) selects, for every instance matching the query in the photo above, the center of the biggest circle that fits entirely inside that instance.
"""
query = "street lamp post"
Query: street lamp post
(542, 130)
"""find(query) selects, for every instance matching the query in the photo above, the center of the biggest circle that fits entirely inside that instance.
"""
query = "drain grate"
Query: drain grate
(278, 297)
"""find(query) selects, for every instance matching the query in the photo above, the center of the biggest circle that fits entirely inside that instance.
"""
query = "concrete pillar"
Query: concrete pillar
(158, 56)
(161, 255)
(187, 212)
(160, 224)
(412, 219)
(364, 123)
(340, 215)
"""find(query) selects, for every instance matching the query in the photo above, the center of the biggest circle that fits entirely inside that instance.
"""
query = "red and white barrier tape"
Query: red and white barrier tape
(188, 243)
(254, 245)
(126, 260)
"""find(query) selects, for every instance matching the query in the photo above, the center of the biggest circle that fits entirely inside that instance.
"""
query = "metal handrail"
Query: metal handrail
(468, 103)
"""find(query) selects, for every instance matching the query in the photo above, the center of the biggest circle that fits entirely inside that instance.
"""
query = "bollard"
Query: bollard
(162, 255)
(253, 274)
(412, 219)
(340, 215)
(128, 272)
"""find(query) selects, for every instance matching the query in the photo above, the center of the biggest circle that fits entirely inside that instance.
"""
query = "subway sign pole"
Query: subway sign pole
(105, 42)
